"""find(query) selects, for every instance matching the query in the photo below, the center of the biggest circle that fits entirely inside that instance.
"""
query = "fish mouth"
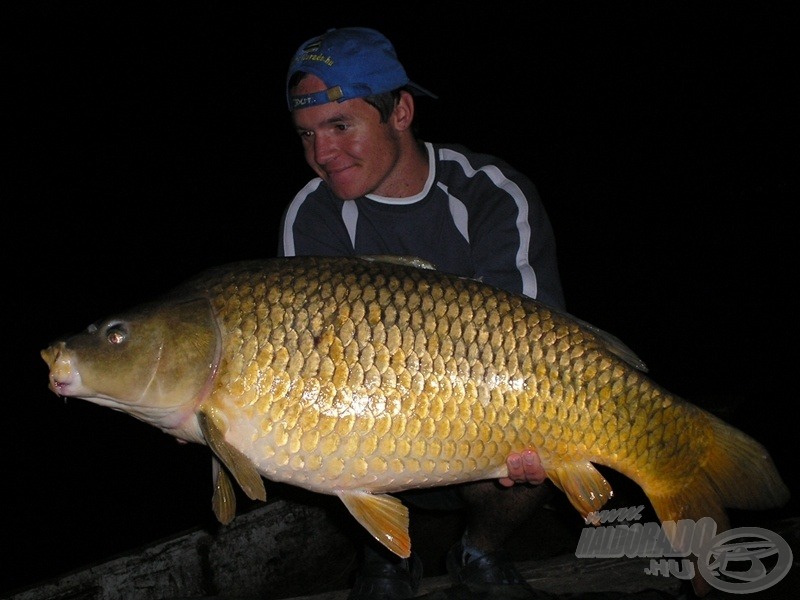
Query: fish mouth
(64, 378)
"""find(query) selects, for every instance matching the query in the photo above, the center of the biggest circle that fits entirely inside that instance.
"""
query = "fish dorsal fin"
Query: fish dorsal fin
(614, 345)
(241, 467)
(585, 487)
(611, 342)
(224, 499)
(384, 516)
(406, 261)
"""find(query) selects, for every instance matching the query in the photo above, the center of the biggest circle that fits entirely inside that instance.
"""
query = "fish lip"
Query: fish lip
(63, 378)
(61, 387)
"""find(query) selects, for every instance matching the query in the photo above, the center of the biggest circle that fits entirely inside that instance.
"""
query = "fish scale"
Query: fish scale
(356, 308)
(364, 376)
(360, 322)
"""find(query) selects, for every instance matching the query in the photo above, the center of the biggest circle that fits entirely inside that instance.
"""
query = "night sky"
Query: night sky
(151, 140)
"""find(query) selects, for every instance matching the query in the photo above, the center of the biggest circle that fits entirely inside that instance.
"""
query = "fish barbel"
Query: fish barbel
(361, 377)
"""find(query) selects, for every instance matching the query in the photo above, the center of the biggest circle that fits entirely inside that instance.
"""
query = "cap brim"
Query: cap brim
(418, 90)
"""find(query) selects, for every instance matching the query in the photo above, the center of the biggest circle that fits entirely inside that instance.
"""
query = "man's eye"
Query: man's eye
(342, 127)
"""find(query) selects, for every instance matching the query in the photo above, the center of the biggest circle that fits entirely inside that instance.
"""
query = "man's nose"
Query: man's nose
(324, 149)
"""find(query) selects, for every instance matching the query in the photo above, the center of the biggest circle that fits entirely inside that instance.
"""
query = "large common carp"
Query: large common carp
(361, 377)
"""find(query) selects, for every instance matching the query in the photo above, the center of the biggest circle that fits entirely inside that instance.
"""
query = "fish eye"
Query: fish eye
(116, 333)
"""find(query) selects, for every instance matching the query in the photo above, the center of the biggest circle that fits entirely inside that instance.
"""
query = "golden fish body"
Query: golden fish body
(361, 377)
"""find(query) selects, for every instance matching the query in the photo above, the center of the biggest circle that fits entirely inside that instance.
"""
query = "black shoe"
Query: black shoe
(488, 575)
(381, 579)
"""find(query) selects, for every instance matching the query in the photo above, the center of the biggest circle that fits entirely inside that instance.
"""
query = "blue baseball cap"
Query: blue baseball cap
(354, 62)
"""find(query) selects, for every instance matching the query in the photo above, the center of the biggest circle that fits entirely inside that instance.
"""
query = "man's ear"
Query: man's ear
(403, 113)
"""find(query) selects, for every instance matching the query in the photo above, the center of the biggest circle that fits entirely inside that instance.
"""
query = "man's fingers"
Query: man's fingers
(523, 467)
(532, 467)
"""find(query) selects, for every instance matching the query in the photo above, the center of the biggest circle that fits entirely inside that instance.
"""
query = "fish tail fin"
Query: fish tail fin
(736, 454)
(699, 500)
(737, 472)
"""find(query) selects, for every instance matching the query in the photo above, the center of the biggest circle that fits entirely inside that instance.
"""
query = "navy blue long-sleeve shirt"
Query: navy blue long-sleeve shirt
(476, 217)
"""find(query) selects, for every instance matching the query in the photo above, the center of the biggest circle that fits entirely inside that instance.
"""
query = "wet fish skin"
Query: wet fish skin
(364, 377)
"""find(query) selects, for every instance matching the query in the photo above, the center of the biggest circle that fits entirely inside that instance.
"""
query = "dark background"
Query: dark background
(151, 140)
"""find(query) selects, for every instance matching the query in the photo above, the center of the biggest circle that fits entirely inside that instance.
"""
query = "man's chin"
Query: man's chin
(345, 186)
(345, 193)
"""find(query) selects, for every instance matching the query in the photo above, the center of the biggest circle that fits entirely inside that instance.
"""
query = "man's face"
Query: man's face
(346, 144)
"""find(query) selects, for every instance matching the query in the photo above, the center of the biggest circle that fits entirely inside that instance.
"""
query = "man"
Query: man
(381, 190)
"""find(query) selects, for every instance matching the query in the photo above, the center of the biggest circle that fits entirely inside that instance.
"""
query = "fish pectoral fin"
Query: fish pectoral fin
(585, 487)
(384, 516)
(241, 467)
(223, 502)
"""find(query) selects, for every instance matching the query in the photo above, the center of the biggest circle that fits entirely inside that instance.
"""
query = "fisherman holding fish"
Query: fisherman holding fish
(380, 190)
(369, 375)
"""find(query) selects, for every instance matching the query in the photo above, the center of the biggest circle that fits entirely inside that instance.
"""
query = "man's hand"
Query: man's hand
(523, 467)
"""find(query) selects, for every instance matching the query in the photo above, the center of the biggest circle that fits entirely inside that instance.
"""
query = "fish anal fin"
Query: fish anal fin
(383, 516)
(585, 487)
(223, 502)
(241, 467)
